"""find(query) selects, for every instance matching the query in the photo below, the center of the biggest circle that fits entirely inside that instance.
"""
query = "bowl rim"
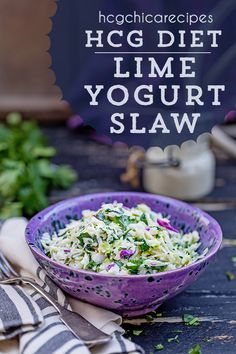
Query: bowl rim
(37, 218)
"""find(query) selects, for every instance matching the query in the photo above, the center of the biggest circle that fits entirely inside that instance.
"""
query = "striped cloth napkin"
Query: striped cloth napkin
(19, 316)
(50, 335)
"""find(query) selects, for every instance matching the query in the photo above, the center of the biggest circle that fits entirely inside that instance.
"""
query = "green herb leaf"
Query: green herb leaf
(14, 118)
(190, 320)
(122, 220)
(119, 263)
(26, 172)
(137, 332)
(149, 318)
(230, 276)
(81, 237)
(91, 265)
(159, 346)
(143, 219)
(159, 268)
(43, 151)
(174, 339)
(234, 259)
(11, 209)
(195, 350)
(64, 176)
(133, 266)
(144, 246)
(158, 314)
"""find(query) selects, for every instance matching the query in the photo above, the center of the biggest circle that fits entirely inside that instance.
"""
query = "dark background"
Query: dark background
(76, 65)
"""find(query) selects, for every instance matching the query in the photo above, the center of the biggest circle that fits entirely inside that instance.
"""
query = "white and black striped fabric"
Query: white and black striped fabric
(18, 313)
(48, 335)
(53, 336)
(38, 325)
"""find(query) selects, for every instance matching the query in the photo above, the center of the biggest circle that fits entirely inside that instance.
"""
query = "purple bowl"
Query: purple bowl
(129, 295)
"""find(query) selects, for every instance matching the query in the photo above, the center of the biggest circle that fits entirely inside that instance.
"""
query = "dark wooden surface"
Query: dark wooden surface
(212, 298)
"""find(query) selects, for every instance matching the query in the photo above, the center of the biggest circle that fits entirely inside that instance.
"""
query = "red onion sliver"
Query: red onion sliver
(166, 225)
(126, 253)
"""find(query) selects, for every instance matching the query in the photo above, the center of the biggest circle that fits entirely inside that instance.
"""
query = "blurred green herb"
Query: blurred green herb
(137, 332)
(26, 171)
(134, 265)
(230, 276)
(152, 315)
(158, 314)
(178, 331)
(159, 346)
(195, 350)
(143, 219)
(174, 339)
(234, 259)
(190, 320)
(149, 318)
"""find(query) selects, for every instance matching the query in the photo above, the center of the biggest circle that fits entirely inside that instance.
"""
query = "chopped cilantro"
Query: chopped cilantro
(144, 246)
(190, 320)
(108, 210)
(149, 318)
(48, 253)
(102, 217)
(126, 233)
(230, 276)
(161, 268)
(27, 174)
(134, 265)
(119, 263)
(91, 265)
(174, 339)
(158, 314)
(137, 332)
(143, 219)
(195, 350)
(152, 315)
(81, 237)
(159, 346)
(122, 220)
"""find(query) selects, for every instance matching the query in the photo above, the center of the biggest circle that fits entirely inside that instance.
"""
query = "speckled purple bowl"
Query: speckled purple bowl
(128, 295)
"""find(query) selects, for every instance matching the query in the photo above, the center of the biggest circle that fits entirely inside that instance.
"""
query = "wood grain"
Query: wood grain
(26, 82)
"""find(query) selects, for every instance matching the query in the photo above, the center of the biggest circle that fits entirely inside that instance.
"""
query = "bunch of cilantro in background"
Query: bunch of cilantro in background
(26, 171)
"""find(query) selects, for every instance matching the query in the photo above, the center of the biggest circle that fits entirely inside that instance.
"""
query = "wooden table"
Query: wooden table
(213, 297)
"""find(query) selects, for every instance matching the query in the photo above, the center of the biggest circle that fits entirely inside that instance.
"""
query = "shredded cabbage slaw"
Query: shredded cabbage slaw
(121, 241)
